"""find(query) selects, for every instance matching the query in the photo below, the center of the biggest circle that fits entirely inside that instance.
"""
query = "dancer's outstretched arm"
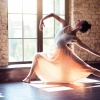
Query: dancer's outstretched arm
(85, 47)
(62, 21)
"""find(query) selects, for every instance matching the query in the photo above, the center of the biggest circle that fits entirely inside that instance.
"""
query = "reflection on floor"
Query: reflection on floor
(85, 89)
(52, 87)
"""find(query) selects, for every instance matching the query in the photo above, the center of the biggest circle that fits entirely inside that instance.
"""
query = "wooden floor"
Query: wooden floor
(88, 89)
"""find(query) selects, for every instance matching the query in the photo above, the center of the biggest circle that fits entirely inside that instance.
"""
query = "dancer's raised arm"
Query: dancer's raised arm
(62, 21)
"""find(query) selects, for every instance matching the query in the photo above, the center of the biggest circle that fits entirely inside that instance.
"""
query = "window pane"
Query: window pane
(14, 25)
(60, 7)
(58, 25)
(15, 50)
(48, 6)
(14, 6)
(30, 26)
(30, 6)
(29, 49)
(48, 44)
(49, 28)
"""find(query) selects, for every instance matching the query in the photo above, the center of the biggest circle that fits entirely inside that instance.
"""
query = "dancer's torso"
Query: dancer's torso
(62, 39)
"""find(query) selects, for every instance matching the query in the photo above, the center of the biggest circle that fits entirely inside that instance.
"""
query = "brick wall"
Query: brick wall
(89, 10)
(79, 9)
(3, 33)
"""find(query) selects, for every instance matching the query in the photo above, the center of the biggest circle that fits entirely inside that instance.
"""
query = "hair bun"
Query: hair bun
(85, 26)
(89, 26)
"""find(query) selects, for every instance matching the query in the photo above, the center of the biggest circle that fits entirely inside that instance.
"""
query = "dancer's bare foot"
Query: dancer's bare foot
(27, 80)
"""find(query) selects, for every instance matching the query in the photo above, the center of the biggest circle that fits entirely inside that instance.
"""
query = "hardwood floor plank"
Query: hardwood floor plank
(84, 90)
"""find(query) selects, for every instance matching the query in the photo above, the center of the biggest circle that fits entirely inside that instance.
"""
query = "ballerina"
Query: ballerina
(62, 65)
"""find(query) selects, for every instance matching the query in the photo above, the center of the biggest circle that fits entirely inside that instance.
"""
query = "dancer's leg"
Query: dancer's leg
(31, 72)
(87, 67)
(95, 72)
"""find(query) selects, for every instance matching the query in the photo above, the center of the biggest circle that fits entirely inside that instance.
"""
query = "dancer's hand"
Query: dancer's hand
(41, 25)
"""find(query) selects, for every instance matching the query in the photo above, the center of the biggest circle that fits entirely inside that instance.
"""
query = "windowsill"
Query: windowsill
(14, 66)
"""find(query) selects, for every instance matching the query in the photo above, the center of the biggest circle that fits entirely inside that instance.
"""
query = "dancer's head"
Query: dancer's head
(83, 26)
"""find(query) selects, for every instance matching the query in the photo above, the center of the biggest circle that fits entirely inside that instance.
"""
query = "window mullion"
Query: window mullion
(67, 10)
(39, 33)
(22, 34)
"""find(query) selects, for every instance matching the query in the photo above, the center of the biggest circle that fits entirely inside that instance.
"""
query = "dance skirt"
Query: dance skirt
(60, 66)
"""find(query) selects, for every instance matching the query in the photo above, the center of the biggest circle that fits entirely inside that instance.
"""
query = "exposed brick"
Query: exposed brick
(89, 10)
(3, 33)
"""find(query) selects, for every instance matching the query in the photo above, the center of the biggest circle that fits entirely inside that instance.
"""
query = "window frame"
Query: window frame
(40, 33)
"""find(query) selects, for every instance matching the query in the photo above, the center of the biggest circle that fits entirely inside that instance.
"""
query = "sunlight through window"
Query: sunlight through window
(1, 95)
(51, 88)
(60, 88)
(23, 33)
(79, 85)
(87, 80)
(22, 29)
(93, 86)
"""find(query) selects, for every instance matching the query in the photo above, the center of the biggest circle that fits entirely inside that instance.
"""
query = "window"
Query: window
(52, 25)
(23, 19)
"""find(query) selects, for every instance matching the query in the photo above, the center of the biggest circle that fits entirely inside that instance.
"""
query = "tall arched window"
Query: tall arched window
(24, 36)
